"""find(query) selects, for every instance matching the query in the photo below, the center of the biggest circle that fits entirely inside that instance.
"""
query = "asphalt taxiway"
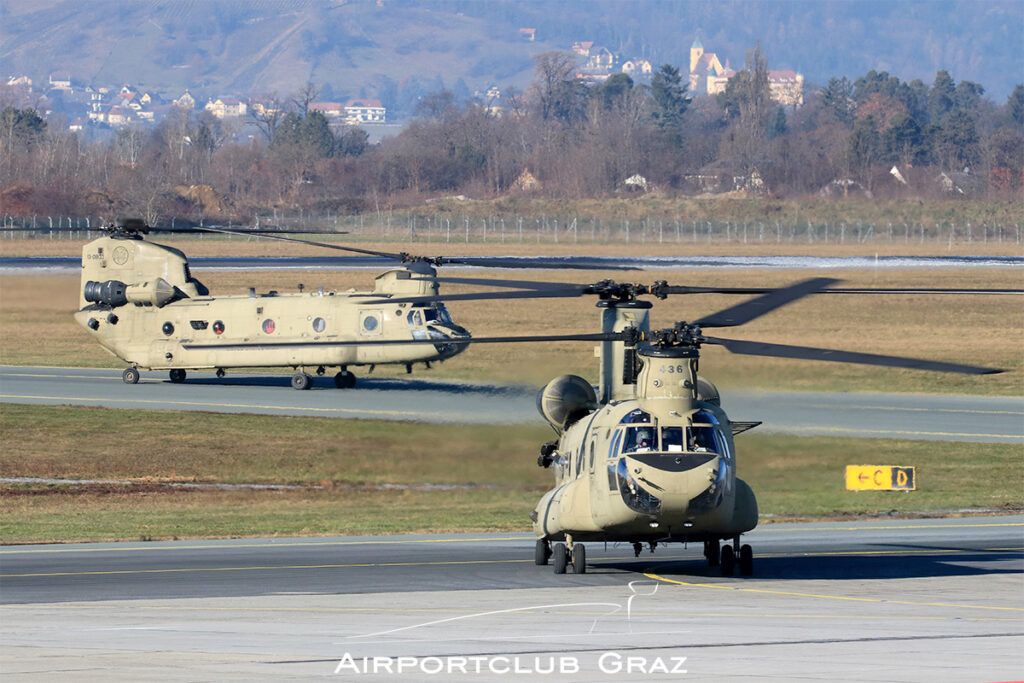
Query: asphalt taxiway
(898, 416)
(877, 600)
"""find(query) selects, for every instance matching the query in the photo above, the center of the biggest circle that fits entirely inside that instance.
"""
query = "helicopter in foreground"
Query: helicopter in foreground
(142, 304)
(649, 457)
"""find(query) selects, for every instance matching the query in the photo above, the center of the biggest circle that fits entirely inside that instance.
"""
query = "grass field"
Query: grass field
(376, 477)
(362, 477)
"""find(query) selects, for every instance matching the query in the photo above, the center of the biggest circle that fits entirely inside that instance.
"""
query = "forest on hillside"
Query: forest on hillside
(560, 138)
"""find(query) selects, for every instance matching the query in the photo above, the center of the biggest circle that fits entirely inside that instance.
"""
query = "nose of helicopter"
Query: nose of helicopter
(678, 480)
(449, 339)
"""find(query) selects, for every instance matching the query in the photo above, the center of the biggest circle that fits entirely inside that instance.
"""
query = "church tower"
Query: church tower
(696, 51)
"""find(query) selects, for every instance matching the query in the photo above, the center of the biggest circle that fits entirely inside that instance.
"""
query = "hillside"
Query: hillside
(396, 50)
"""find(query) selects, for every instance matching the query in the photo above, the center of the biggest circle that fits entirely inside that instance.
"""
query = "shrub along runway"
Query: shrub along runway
(874, 415)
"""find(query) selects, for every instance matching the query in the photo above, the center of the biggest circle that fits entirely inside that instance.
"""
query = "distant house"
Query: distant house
(637, 67)
(331, 110)
(60, 80)
(600, 59)
(20, 82)
(186, 101)
(77, 124)
(226, 108)
(364, 111)
(787, 87)
(583, 48)
(118, 116)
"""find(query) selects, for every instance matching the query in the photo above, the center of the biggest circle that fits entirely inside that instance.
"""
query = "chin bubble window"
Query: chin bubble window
(269, 326)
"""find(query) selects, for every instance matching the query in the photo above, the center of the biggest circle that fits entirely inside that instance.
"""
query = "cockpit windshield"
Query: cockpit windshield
(433, 313)
(640, 440)
(703, 436)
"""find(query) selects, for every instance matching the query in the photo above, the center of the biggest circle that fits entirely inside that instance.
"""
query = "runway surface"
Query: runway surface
(892, 600)
(902, 416)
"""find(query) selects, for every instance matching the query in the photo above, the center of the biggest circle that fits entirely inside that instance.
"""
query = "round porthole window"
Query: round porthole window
(370, 323)
(268, 326)
(218, 327)
(168, 329)
(319, 324)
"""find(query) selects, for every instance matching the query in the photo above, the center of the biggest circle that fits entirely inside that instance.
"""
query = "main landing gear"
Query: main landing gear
(177, 375)
(575, 555)
(130, 375)
(729, 556)
(344, 379)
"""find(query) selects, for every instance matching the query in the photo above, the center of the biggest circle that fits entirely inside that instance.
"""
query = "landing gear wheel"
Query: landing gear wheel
(746, 561)
(177, 376)
(344, 380)
(301, 380)
(542, 553)
(579, 558)
(130, 376)
(561, 558)
(728, 560)
(712, 550)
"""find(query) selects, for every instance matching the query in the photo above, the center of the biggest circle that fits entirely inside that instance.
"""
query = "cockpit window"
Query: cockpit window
(635, 416)
(672, 439)
(704, 436)
(702, 439)
(414, 318)
(432, 313)
(640, 440)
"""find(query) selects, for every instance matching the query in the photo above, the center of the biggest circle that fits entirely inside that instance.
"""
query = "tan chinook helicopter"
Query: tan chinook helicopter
(649, 457)
(141, 303)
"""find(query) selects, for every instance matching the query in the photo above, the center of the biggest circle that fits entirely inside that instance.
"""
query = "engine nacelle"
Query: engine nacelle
(565, 400)
(157, 292)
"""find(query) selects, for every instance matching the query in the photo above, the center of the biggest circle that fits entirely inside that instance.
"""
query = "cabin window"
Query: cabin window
(370, 322)
(592, 445)
(198, 324)
(269, 326)
(319, 324)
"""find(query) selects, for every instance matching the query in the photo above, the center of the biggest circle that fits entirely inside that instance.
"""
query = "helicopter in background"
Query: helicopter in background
(141, 302)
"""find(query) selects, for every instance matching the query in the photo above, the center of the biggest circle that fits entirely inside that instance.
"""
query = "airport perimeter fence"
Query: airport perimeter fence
(408, 227)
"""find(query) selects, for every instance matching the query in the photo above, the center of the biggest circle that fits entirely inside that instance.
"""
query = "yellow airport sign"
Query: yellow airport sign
(880, 478)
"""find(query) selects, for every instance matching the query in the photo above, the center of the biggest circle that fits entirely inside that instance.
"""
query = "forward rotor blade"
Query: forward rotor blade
(532, 262)
(743, 313)
(597, 336)
(755, 348)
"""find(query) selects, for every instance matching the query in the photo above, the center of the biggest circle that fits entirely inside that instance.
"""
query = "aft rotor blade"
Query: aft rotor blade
(356, 250)
(479, 296)
(743, 313)
(755, 348)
